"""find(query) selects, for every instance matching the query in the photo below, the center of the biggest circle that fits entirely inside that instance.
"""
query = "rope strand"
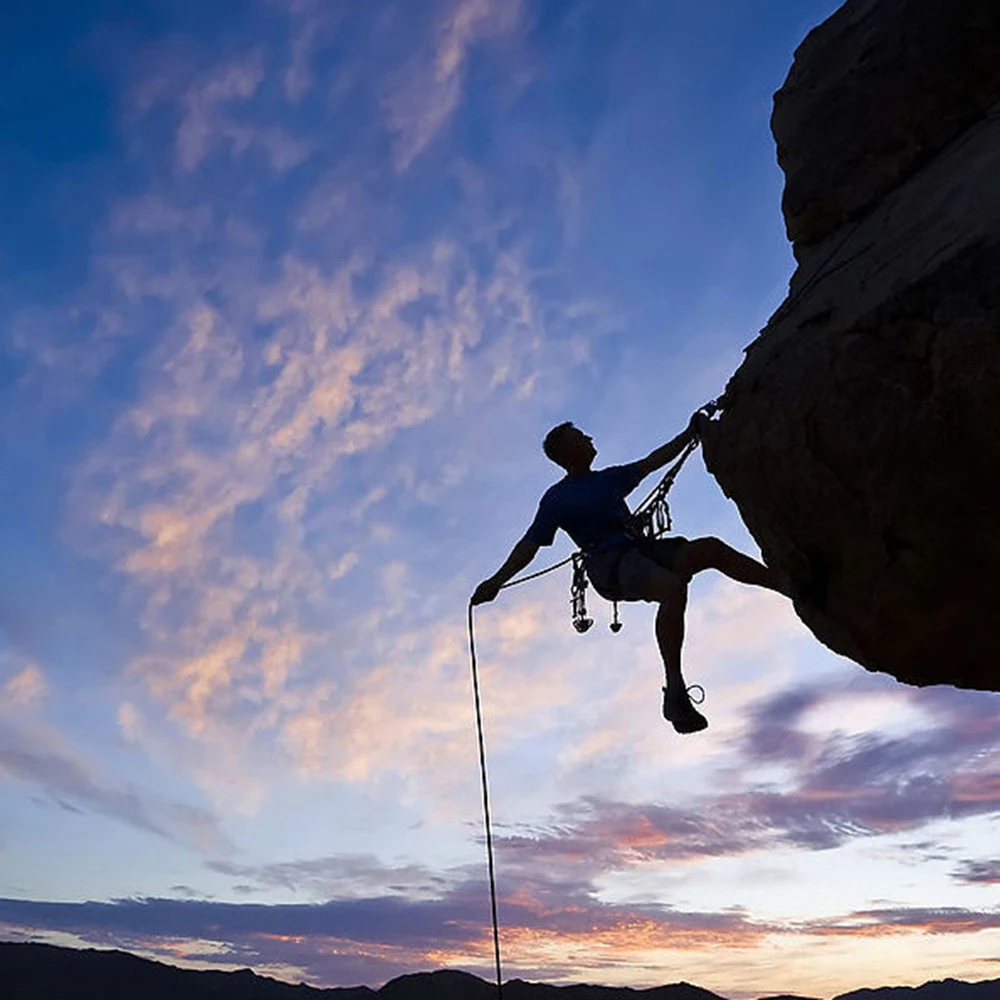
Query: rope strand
(486, 803)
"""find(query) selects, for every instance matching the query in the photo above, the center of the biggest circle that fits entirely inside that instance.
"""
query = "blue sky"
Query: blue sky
(291, 291)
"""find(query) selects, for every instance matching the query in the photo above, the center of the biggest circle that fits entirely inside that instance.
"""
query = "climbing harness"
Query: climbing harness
(650, 520)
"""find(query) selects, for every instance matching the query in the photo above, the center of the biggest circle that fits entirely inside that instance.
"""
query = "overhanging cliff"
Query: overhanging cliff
(861, 435)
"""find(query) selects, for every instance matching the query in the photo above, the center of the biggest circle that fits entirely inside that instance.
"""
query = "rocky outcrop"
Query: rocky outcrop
(874, 94)
(861, 436)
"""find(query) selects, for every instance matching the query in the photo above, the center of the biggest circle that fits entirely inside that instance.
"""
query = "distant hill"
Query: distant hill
(944, 989)
(46, 972)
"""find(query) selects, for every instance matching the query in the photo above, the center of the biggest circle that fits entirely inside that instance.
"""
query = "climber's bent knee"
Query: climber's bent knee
(700, 554)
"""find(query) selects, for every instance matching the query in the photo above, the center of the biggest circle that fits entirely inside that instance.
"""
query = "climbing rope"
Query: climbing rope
(486, 804)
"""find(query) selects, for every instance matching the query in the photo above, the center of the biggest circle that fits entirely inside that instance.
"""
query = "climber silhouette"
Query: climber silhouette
(589, 505)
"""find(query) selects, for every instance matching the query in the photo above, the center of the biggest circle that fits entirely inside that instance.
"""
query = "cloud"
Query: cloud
(901, 920)
(71, 783)
(878, 782)
(428, 91)
(24, 689)
(344, 941)
(203, 123)
(227, 425)
(237, 81)
(343, 876)
(313, 25)
(874, 783)
(283, 407)
(830, 790)
(603, 836)
(978, 872)
(410, 715)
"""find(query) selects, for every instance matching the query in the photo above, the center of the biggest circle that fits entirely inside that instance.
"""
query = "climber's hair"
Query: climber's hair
(553, 443)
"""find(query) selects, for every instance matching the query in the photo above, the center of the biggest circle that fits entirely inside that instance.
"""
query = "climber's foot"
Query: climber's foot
(680, 713)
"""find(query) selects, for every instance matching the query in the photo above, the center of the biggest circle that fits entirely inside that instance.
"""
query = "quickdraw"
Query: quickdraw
(578, 595)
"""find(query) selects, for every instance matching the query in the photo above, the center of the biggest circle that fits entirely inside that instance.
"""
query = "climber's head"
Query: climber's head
(569, 447)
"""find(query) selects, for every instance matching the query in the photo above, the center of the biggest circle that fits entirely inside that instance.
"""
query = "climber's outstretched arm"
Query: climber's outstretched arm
(666, 453)
(519, 557)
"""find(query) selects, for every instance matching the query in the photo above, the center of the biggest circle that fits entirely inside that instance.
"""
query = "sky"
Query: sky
(290, 292)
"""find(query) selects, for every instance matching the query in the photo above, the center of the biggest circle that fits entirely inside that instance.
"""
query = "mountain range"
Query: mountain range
(30, 971)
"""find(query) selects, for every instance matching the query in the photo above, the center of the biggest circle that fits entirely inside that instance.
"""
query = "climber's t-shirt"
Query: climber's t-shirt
(590, 508)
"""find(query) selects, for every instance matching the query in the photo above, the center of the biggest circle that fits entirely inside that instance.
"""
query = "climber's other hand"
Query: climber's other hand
(485, 592)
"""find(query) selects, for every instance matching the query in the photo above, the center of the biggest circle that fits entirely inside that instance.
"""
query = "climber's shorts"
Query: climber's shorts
(628, 573)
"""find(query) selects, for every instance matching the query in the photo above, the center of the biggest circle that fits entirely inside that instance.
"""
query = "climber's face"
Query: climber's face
(580, 448)
(569, 447)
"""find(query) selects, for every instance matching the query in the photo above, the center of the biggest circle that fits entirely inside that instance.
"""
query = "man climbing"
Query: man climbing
(589, 505)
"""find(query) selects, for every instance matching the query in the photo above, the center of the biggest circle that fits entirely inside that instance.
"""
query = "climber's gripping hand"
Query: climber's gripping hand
(701, 418)
(485, 592)
(696, 425)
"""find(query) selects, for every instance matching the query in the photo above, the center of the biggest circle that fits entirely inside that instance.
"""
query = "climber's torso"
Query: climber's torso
(590, 508)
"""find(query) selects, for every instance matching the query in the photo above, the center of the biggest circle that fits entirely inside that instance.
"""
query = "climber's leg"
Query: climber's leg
(670, 590)
(712, 553)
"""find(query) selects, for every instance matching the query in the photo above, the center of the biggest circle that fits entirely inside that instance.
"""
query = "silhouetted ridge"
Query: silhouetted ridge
(518, 989)
(448, 984)
(46, 972)
(31, 971)
(944, 989)
(788, 996)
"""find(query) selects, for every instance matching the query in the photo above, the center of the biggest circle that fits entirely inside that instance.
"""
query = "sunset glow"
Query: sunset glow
(292, 291)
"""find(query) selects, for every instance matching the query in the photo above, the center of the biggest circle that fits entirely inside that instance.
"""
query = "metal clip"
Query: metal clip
(578, 594)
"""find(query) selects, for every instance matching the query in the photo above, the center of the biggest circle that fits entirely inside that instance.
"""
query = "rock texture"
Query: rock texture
(861, 436)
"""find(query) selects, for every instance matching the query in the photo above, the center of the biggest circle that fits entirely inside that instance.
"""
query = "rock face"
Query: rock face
(861, 436)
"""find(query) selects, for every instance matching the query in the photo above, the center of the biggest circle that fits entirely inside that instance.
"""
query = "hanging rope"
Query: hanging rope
(486, 804)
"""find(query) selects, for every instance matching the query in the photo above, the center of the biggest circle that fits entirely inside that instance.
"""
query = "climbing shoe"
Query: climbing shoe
(681, 714)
